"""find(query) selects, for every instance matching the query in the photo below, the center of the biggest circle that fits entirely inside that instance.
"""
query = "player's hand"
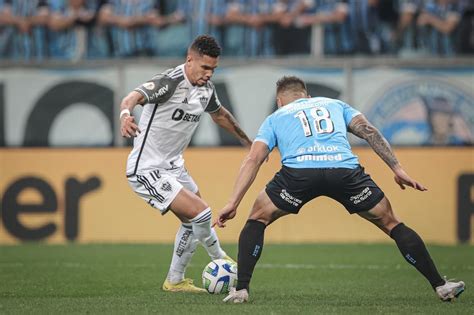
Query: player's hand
(402, 179)
(128, 127)
(227, 213)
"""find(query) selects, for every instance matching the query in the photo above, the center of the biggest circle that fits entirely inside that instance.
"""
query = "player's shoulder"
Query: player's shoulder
(169, 78)
(329, 102)
(210, 85)
(173, 74)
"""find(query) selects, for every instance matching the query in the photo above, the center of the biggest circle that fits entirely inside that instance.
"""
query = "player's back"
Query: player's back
(312, 133)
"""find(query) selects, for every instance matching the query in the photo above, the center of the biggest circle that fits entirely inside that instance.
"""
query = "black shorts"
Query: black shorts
(291, 188)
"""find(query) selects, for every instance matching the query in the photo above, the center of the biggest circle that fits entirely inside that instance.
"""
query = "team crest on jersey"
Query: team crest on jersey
(149, 86)
(203, 100)
(166, 186)
(425, 112)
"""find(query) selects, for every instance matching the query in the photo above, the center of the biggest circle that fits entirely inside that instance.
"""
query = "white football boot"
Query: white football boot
(450, 290)
(234, 296)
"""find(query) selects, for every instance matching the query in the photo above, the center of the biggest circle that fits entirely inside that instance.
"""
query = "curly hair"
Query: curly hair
(290, 83)
(206, 45)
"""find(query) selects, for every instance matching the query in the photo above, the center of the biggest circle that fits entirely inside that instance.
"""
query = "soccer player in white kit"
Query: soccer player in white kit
(173, 103)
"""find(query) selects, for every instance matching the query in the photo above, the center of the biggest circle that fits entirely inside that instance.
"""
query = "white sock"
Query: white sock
(206, 235)
(184, 246)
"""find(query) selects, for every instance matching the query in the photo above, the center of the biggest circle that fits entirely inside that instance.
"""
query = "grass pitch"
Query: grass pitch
(289, 279)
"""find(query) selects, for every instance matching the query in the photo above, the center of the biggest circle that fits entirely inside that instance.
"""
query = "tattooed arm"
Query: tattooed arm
(224, 119)
(362, 128)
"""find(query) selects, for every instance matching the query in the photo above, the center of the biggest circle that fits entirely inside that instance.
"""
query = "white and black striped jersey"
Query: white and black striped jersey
(170, 116)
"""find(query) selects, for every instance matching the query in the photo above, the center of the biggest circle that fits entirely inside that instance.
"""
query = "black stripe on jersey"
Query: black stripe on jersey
(144, 138)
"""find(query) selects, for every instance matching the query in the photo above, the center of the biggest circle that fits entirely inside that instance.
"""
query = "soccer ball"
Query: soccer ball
(219, 276)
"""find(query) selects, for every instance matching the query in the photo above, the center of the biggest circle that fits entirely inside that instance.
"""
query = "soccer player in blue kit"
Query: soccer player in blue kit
(316, 157)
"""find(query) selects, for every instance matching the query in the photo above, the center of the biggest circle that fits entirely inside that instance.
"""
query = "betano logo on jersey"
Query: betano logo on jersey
(180, 114)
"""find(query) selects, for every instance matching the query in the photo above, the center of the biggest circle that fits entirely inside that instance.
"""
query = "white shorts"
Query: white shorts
(159, 187)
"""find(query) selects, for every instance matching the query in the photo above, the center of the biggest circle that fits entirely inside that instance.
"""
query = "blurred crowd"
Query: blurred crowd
(97, 29)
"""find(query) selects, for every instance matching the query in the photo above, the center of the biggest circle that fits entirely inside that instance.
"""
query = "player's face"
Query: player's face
(201, 68)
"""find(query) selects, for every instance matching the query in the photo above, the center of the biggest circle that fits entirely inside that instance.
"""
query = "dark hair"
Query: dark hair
(290, 83)
(206, 45)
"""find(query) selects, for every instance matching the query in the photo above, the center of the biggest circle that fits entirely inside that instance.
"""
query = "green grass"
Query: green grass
(289, 279)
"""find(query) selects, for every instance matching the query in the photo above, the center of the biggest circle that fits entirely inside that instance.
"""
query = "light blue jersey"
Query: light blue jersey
(311, 133)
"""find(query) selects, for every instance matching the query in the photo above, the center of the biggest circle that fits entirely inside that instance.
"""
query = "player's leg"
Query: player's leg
(286, 193)
(189, 206)
(184, 246)
(412, 248)
(251, 241)
(162, 191)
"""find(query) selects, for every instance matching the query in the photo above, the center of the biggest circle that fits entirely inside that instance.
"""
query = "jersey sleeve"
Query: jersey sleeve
(157, 90)
(349, 112)
(214, 103)
(266, 134)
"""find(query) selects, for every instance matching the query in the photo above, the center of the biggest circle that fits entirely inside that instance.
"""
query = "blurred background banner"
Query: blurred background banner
(82, 195)
(40, 107)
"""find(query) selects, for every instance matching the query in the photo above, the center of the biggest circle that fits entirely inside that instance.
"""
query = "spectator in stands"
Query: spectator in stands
(254, 20)
(24, 36)
(405, 35)
(465, 36)
(366, 26)
(334, 16)
(189, 19)
(290, 35)
(68, 37)
(7, 29)
(98, 44)
(437, 23)
(388, 19)
(129, 27)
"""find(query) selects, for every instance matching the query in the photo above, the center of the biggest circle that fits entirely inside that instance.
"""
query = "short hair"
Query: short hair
(206, 45)
(290, 84)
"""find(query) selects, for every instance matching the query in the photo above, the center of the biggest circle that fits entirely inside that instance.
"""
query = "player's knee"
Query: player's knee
(263, 215)
(195, 206)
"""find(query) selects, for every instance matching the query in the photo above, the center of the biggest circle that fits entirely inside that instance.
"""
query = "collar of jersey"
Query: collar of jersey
(188, 83)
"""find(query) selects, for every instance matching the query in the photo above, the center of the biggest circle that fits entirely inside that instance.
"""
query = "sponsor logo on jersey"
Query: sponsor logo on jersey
(161, 91)
(149, 85)
(185, 100)
(320, 157)
(425, 112)
(180, 114)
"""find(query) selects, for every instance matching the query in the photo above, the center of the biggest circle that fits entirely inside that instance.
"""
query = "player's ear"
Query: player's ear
(279, 103)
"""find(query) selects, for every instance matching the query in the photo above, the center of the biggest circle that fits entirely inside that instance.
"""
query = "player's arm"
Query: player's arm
(248, 171)
(362, 128)
(226, 120)
(156, 91)
(128, 127)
